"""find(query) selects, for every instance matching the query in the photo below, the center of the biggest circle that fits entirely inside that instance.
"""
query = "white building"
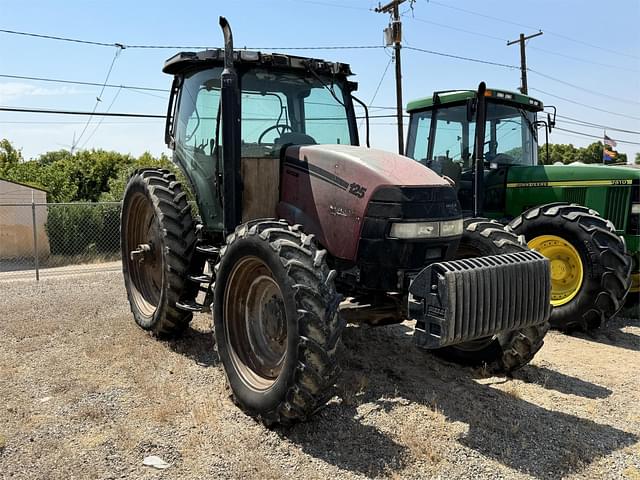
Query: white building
(16, 221)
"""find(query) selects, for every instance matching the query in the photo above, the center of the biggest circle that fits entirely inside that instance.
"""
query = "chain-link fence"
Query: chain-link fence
(71, 236)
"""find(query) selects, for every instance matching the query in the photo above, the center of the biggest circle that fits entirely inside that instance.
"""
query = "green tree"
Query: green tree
(567, 153)
(116, 186)
(637, 160)
(9, 156)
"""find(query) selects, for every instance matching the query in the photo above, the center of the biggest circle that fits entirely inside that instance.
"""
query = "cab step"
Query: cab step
(202, 278)
(191, 306)
(208, 250)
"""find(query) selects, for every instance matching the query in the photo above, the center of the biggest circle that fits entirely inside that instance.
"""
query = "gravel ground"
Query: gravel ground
(84, 393)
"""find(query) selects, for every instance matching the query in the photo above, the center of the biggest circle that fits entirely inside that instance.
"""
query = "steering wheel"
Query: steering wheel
(281, 128)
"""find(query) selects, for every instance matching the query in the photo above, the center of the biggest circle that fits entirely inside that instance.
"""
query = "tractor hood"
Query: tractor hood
(572, 175)
(327, 188)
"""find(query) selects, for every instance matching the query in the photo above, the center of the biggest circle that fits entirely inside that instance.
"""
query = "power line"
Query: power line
(17, 122)
(77, 82)
(326, 47)
(53, 37)
(583, 60)
(510, 22)
(337, 5)
(578, 87)
(115, 97)
(98, 98)
(112, 114)
(471, 12)
(593, 136)
(77, 112)
(550, 52)
(460, 57)
(585, 105)
(181, 47)
(458, 29)
(598, 125)
(375, 94)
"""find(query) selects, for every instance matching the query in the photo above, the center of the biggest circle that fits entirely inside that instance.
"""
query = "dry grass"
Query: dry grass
(632, 473)
(117, 395)
(512, 389)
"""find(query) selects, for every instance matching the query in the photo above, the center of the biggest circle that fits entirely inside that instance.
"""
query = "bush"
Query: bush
(83, 229)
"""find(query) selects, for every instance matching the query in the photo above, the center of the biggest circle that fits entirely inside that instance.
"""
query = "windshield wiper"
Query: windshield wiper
(329, 89)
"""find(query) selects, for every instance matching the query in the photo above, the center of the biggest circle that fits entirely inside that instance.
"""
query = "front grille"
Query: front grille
(384, 261)
(462, 300)
(575, 195)
(617, 209)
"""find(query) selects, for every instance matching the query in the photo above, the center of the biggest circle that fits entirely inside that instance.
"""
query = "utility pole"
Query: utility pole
(523, 59)
(394, 35)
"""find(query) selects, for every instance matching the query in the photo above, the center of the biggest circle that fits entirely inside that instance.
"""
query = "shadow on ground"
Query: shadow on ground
(613, 334)
(502, 426)
(552, 380)
(196, 345)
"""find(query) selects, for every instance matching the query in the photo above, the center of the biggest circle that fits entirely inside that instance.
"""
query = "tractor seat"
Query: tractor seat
(295, 138)
(444, 166)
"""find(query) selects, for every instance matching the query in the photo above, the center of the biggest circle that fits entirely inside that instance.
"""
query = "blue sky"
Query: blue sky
(604, 38)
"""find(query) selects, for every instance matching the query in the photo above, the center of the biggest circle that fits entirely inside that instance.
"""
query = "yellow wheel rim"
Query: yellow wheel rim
(566, 267)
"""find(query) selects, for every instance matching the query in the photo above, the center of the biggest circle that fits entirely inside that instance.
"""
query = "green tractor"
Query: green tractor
(579, 216)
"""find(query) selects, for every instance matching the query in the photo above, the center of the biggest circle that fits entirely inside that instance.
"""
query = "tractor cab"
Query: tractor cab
(459, 133)
(230, 114)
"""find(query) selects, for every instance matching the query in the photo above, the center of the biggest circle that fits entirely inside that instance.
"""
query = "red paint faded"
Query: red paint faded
(330, 211)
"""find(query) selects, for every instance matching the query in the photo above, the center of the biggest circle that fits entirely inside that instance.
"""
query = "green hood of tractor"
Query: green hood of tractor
(572, 175)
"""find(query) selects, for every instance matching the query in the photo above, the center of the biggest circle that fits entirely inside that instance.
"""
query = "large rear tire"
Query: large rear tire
(276, 321)
(157, 239)
(507, 351)
(590, 270)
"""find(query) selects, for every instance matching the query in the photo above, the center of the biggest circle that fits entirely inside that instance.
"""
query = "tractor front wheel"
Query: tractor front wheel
(590, 271)
(507, 351)
(276, 321)
(157, 237)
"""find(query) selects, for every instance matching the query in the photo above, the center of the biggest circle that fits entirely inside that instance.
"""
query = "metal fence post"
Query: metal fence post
(35, 237)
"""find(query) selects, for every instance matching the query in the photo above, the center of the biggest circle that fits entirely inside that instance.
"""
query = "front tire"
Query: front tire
(507, 351)
(590, 271)
(157, 227)
(276, 321)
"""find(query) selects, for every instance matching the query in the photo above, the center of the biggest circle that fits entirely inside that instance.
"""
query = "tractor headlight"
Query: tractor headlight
(446, 228)
(451, 228)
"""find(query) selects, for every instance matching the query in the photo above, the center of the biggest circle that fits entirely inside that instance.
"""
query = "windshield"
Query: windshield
(280, 107)
(510, 136)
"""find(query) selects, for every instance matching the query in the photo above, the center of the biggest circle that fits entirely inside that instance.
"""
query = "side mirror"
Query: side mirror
(471, 109)
(551, 118)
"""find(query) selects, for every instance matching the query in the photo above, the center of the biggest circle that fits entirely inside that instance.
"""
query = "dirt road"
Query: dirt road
(84, 393)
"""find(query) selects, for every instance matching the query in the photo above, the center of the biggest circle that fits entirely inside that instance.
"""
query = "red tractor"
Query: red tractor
(294, 216)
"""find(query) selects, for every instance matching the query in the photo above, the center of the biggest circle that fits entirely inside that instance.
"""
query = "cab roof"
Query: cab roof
(454, 96)
(215, 57)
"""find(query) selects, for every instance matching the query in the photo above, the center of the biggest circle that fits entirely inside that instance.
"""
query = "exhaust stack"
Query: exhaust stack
(230, 117)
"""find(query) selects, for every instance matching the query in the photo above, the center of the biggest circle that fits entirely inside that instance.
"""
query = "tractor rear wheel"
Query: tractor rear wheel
(590, 271)
(157, 239)
(276, 321)
(507, 351)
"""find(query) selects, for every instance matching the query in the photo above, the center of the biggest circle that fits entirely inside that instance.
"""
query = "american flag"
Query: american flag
(609, 141)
